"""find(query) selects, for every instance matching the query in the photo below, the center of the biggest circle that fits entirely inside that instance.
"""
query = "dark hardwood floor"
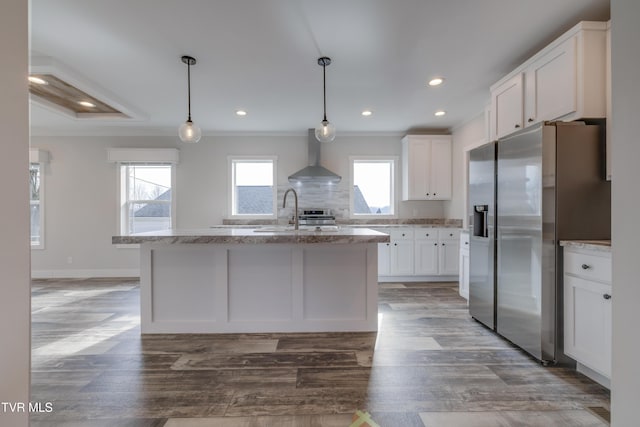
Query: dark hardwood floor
(430, 364)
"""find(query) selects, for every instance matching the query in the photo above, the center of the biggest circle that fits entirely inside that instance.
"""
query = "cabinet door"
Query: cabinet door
(440, 170)
(402, 258)
(551, 84)
(426, 257)
(587, 323)
(417, 160)
(463, 285)
(449, 257)
(507, 105)
(384, 258)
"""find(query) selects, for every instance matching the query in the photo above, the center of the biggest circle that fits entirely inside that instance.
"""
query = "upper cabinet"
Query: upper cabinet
(426, 167)
(506, 102)
(564, 81)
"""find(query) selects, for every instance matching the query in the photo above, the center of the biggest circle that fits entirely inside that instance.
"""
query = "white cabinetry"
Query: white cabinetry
(587, 311)
(564, 81)
(426, 251)
(506, 103)
(396, 257)
(426, 167)
(463, 269)
(436, 251)
(419, 254)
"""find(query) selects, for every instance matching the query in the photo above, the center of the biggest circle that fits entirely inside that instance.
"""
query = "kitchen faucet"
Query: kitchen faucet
(295, 212)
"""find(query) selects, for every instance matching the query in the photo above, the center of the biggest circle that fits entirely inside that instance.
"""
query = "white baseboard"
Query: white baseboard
(81, 274)
(387, 279)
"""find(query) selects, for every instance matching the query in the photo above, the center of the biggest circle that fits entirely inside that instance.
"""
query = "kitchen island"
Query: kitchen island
(229, 280)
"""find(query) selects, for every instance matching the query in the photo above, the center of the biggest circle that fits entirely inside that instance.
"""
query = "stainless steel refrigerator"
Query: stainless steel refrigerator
(542, 185)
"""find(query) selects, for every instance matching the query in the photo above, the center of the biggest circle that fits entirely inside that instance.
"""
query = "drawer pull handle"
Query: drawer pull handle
(586, 266)
(606, 296)
(517, 126)
(530, 120)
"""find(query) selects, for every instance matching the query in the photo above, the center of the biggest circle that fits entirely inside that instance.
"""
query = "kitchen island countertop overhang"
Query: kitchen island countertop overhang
(243, 235)
(239, 280)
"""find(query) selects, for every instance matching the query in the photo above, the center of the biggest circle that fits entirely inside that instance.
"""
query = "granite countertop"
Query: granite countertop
(597, 245)
(373, 222)
(341, 235)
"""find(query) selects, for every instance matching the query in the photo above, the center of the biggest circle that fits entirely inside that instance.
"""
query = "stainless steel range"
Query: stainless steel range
(316, 217)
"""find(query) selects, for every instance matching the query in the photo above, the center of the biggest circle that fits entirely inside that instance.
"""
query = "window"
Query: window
(373, 192)
(36, 198)
(253, 190)
(146, 197)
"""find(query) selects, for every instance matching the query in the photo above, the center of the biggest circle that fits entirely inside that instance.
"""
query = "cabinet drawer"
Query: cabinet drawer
(400, 233)
(426, 233)
(591, 267)
(449, 233)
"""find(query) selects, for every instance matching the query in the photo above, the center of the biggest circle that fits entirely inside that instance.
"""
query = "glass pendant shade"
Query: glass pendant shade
(326, 132)
(189, 132)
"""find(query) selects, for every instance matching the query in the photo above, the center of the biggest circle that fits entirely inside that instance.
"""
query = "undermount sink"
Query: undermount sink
(303, 228)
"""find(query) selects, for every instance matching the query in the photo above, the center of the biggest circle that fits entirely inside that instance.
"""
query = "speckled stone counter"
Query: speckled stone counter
(228, 235)
(269, 279)
(595, 245)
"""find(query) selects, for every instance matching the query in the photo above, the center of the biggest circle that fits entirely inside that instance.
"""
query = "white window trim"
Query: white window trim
(231, 185)
(394, 184)
(41, 202)
(121, 188)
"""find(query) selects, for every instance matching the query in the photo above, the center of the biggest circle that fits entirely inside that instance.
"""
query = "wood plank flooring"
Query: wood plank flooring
(430, 364)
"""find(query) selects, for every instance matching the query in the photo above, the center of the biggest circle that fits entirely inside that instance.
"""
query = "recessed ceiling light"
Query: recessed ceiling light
(440, 113)
(367, 113)
(87, 104)
(436, 81)
(37, 80)
(241, 113)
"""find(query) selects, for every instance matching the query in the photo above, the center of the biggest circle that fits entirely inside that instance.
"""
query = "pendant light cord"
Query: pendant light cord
(324, 90)
(189, 88)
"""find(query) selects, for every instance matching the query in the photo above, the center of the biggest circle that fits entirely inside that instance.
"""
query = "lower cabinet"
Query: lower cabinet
(463, 266)
(419, 252)
(587, 311)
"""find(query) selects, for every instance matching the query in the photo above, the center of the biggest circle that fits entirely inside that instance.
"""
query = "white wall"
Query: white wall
(467, 136)
(625, 57)
(15, 292)
(81, 194)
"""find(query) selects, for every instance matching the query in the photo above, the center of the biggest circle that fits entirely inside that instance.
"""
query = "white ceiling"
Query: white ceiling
(261, 55)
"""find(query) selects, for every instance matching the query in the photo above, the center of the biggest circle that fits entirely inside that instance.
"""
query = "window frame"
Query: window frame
(40, 202)
(123, 194)
(231, 160)
(393, 161)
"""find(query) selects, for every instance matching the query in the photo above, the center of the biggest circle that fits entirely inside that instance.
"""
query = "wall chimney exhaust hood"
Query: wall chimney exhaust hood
(314, 172)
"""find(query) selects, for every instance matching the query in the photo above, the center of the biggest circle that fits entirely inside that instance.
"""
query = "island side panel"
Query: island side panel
(229, 288)
(260, 284)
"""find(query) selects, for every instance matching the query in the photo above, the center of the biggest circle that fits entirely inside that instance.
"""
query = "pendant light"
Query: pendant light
(189, 132)
(326, 132)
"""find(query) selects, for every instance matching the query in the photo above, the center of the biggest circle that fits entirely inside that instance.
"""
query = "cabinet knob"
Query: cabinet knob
(387, 244)
(427, 194)
(466, 243)
(443, 244)
(586, 266)
(517, 126)
(395, 244)
(606, 296)
(426, 234)
(450, 234)
(435, 244)
(403, 234)
(434, 194)
(530, 120)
